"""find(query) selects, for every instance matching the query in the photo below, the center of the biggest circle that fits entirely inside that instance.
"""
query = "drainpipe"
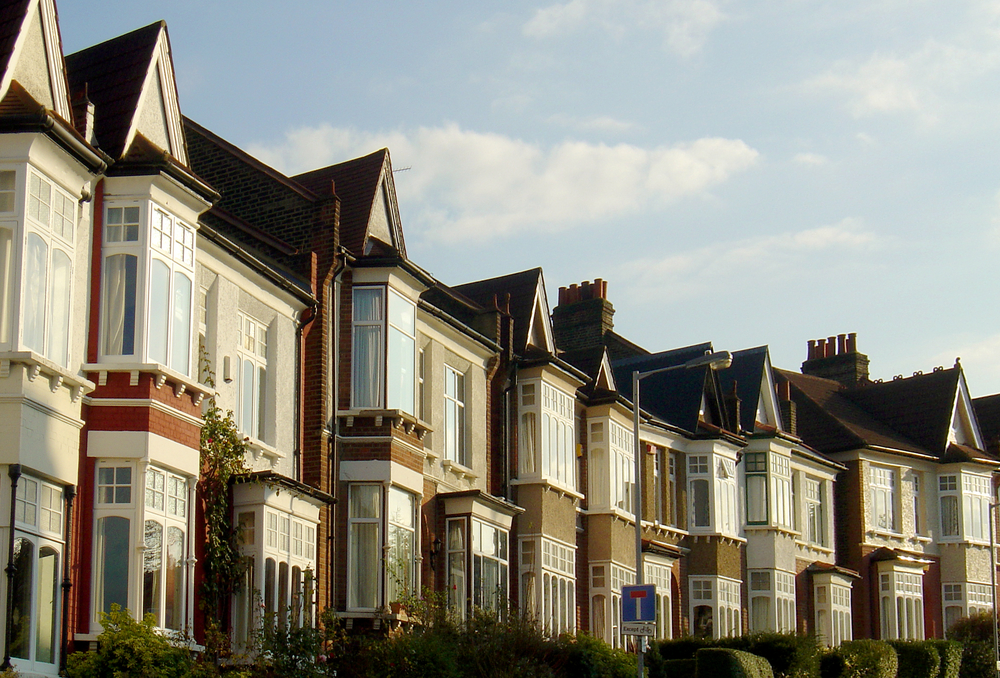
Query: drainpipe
(67, 583)
(14, 471)
(334, 434)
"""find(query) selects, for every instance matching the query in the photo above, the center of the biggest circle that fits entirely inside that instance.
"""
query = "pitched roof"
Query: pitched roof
(521, 287)
(674, 397)
(356, 183)
(746, 374)
(988, 414)
(829, 422)
(12, 15)
(922, 406)
(113, 73)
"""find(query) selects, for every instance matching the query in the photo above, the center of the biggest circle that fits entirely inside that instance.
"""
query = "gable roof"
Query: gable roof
(31, 54)
(746, 375)
(359, 183)
(914, 415)
(115, 75)
(524, 289)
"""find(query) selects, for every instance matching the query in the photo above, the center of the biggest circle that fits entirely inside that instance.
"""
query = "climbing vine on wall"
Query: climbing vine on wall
(223, 455)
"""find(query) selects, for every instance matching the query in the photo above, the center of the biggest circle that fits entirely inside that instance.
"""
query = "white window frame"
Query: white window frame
(391, 371)
(251, 352)
(901, 602)
(832, 604)
(661, 576)
(455, 393)
(165, 500)
(490, 546)
(368, 565)
(165, 339)
(883, 482)
(813, 494)
(51, 315)
(547, 434)
(38, 522)
(550, 567)
(720, 596)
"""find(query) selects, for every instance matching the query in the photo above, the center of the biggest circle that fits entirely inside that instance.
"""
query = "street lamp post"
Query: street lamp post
(713, 361)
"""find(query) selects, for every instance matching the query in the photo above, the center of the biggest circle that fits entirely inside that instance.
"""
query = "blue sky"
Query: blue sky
(748, 173)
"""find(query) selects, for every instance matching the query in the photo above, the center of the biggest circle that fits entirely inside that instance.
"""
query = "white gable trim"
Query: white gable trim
(161, 67)
(768, 401)
(539, 325)
(53, 54)
(605, 375)
(963, 428)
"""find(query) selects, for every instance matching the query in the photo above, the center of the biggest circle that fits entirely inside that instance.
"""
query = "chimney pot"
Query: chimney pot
(811, 352)
(821, 348)
(841, 343)
(831, 347)
(599, 287)
(852, 342)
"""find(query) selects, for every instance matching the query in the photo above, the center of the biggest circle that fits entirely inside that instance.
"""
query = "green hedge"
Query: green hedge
(950, 654)
(790, 655)
(975, 633)
(917, 659)
(860, 659)
(675, 668)
(718, 662)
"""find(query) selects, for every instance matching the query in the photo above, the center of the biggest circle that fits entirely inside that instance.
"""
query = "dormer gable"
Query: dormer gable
(768, 411)
(383, 215)
(130, 81)
(605, 379)
(963, 429)
(539, 327)
(31, 54)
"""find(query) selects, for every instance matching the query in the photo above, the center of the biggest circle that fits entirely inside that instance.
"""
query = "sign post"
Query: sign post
(639, 610)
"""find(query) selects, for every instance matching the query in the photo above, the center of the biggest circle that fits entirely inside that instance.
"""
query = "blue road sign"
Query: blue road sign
(639, 603)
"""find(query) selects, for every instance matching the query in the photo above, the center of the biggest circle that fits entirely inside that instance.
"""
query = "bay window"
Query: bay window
(547, 433)
(489, 566)
(622, 458)
(700, 490)
(755, 470)
(715, 606)
(165, 540)
(965, 599)
(964, 499)
(606, 582)
(38, 548)
(384, 350)
(772, 601)
(832, 603)
(457, 591)
(364, 548)
(660, 576)
(553, 600)
(901, 602)
(50, 229)
(148, 273)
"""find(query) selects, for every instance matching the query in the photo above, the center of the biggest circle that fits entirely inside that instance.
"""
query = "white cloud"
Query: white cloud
(812, 159)
(921, 82)
(723, 267)
(467, 185)
(685, 24)
(594, 124)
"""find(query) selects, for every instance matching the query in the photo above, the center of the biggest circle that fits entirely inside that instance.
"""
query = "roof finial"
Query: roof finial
(958, 362)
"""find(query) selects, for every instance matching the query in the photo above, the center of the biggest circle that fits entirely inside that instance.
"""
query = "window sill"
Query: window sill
(458, 469)
(551, 485)
(398, 419)
(260, 449)
(182, 384)
(37, 365)
(885, 534)
(774, 528)
(661, 527)
(818, 548)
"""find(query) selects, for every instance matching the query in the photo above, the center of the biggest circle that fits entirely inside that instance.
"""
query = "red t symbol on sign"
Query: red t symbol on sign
(638, 595)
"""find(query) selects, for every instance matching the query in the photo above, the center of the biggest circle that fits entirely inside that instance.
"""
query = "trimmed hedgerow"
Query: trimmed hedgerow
(790, 655)
(719, 662)
(917, 659)
(672, 668)
(975, 633)
(860, 659)
(950, 654)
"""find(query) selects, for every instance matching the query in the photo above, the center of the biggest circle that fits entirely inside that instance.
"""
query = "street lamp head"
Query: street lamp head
(715, 361)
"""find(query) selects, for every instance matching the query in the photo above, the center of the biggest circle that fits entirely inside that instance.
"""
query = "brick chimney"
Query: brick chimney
(837, 358)
(584, 315)
(789, 412)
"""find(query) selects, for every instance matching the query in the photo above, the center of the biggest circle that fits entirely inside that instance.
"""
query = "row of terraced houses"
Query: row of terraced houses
(406, 435)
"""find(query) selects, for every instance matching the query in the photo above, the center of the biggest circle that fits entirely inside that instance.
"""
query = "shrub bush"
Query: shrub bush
(950, 654)
(719, 662)
(790, 655)
(975, 633)
(672, 668)
(860, 659)
(130, 649)
(917, 659)
(588, 657)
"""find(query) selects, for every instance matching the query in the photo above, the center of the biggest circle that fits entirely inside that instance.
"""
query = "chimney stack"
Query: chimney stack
(837, 358)
(584, 315)
(789, 416)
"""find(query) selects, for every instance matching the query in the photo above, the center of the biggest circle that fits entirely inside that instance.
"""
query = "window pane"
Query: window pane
(173, 610)
(21, 619)
(36, 268)
(159, 309)
(180, 354)
(119, 304)
(401, 371)
(365, 501)
(699, 489)
(365, 570)
(59, 308)
(152, 566)
(249, 389)
(6, 279)
(112, 562)
(48, 604)
(367, 372)
(756, 499)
